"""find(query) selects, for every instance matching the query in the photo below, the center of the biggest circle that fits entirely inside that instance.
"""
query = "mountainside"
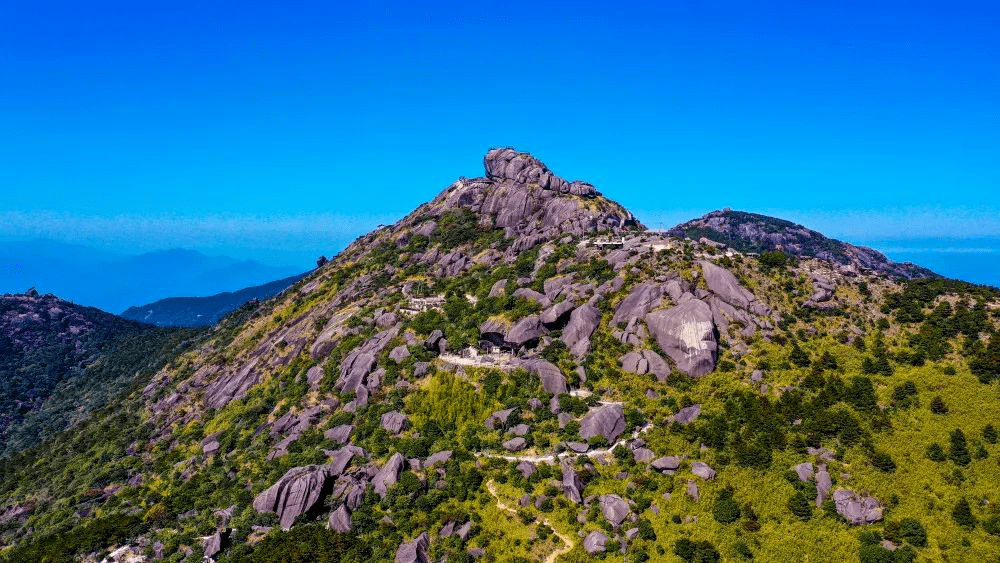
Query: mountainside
(203, 311)
(114, 282)
(750, 232)
(518, 371)
(58, 362)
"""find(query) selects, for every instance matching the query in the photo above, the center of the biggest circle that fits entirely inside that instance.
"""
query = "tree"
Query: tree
(883, 461)
(959, 451)
(990, 434)
(962, 514)
(696, 552)
(321, 261)
(800, 506)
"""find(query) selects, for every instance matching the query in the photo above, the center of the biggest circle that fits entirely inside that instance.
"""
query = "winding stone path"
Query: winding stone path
(570, 544)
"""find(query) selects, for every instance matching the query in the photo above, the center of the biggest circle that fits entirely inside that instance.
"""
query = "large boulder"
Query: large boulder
(295, 493)
(614, 508)
(552, 379)
(557, 315)
(514, 444)
(525, 331)
(687, 334)
(633, 362)
(213, 544)
(687, 415)
(656, 365)
(499, 418)
(595, 542)
(414, 551)
(703, 470)
(526, 468)
(643, 298)
(493, 332)
(668, 463)
(389, 474)
(823, 485)
(607, 421)
(571, 484)
(857, 509)
(723, 283)
(582, 323)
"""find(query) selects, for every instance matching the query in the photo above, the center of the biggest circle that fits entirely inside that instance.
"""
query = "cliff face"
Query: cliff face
(750, 232)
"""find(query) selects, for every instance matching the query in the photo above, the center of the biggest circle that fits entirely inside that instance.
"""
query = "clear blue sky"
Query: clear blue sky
(282, 130)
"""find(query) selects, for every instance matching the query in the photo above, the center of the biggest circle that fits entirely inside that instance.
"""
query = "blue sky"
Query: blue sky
(280, 131)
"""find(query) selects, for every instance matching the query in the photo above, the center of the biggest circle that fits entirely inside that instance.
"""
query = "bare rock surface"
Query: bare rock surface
(389, 474)
(571, 484)
(643, 298)
(340, 520)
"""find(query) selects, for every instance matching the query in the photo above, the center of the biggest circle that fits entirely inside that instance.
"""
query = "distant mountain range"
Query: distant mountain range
(115, 282)
(204, 311)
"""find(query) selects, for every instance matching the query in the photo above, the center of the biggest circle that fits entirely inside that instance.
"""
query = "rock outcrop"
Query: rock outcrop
(595, 542)
(614, 508)
(295, 493)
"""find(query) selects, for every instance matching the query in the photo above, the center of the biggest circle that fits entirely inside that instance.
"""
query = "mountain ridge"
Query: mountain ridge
(752, 232)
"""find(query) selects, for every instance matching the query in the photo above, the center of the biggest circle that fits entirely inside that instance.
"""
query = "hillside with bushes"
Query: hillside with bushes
(519, 371)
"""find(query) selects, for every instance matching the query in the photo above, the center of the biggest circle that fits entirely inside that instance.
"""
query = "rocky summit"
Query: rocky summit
(519, 371)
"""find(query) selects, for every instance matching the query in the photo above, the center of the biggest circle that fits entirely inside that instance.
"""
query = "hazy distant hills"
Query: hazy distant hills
(204, 311)
(114, 282)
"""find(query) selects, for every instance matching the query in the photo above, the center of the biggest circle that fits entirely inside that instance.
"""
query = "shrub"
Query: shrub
(883, 461)
(938, 406)
(935, 452)
(696, 552)
(990, 434)
(725, 510)
(908, 530)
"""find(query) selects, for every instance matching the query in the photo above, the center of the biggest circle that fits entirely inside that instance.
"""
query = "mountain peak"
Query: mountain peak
(520, 195)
